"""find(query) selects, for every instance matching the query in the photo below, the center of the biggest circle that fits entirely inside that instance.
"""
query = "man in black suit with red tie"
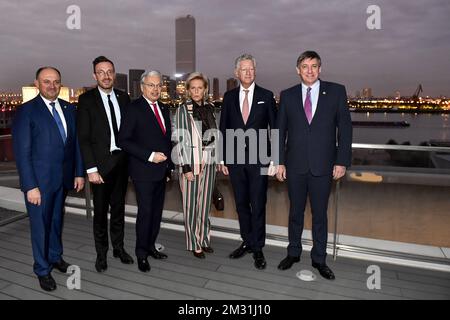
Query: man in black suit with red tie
(100, 113)
(315, 134)
(248, 112)
(146, 136)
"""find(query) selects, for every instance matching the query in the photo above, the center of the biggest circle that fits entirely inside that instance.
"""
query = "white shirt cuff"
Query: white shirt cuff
(151, 157)
(92, 170)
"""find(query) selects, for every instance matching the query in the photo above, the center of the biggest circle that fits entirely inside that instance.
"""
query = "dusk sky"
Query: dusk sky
(412, 46)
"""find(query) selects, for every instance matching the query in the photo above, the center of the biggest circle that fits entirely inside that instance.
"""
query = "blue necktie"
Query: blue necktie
(58, 122)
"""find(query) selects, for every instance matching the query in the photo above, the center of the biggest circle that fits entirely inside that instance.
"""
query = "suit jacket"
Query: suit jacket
(262, 115)
(42, 158)
(140, 135)
(94, 132)
(313, 146)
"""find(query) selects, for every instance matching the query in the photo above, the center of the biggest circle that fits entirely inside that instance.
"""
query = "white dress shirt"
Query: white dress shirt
(315, 90)
(162, 120)
(251, 91)
(112, 95)
(58, 109)
(113, 146)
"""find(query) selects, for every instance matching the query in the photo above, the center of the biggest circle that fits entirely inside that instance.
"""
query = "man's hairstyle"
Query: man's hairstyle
(197, 76)
(151, 73)
(38, 72)
(309, 55)
(242, 57)
(101, 59)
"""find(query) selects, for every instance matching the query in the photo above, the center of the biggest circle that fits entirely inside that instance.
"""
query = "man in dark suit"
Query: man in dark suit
(49, 163)
(100, 112)
(247, 113)
(310, 116)
(145, 135)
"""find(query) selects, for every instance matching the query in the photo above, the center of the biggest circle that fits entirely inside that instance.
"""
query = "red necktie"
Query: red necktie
(158, 118)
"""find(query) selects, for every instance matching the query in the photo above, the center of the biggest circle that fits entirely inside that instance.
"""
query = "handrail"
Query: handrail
(399, 147)
(362, 146)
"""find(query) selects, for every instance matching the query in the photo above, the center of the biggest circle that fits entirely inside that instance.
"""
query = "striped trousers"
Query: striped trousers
(197, 197)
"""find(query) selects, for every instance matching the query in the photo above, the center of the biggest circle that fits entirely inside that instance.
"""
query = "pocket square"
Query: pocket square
(261, 102)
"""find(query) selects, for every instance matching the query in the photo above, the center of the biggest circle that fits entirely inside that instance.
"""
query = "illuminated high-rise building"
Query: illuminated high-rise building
(215, 89)
(121, 82)
(29, 93)
(135, 82)
(185, 45)
(232, 83)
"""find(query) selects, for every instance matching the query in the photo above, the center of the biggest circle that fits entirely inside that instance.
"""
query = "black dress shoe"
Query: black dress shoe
(155, 254)
(287, 262)
(143, 265)
(61, 266)
(199, 255)
(208, 249)
(47, 282)
(100, 263)
(260, 261)
(239, 252)
(324, 271)
(123, 255)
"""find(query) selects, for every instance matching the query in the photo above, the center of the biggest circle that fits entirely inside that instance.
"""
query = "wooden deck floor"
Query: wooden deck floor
(184, 277)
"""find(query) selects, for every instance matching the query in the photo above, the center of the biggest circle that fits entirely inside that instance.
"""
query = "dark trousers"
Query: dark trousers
(300, 186)
(150, 201)
(46, 227)
(250, 194)
(110, 194)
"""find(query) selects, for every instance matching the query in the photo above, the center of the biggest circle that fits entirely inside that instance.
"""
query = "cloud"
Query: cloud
(412, 46)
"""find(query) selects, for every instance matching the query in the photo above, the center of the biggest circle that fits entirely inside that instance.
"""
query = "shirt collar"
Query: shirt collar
(149, 102)
(314, 86)
(47, 102)
(104, 94)
(250, 89)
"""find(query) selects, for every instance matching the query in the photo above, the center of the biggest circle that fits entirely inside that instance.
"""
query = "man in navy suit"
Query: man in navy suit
(145, 134)
(49, 163)
(311, 115)
(248, 112)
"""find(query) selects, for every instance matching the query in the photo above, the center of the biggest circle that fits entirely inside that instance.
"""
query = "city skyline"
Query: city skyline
(411, 47)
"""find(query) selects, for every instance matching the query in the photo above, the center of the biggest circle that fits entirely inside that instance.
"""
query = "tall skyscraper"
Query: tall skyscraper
(185, 45)
(367, 93)
(121, 81)
(134, 80)
(231, 83)
(216, 93)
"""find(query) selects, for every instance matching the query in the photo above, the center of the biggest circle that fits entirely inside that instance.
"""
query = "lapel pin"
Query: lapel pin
(323, 92)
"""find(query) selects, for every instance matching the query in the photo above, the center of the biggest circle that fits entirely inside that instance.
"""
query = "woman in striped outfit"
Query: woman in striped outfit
(196, 143)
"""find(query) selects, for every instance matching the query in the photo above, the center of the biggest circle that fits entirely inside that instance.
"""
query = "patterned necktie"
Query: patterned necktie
(158, 118)
(245, 107)
(58, 122)
(308, 105)
(113, 118)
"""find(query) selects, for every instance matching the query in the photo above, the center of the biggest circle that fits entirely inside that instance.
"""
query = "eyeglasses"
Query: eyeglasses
(152, 85)
(250, 70)
(102, 73)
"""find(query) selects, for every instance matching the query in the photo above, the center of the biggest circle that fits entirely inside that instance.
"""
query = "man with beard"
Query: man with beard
(100, 112)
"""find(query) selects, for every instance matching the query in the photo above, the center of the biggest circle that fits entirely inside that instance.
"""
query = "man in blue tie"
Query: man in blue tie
(315, 132)
(49, 164)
